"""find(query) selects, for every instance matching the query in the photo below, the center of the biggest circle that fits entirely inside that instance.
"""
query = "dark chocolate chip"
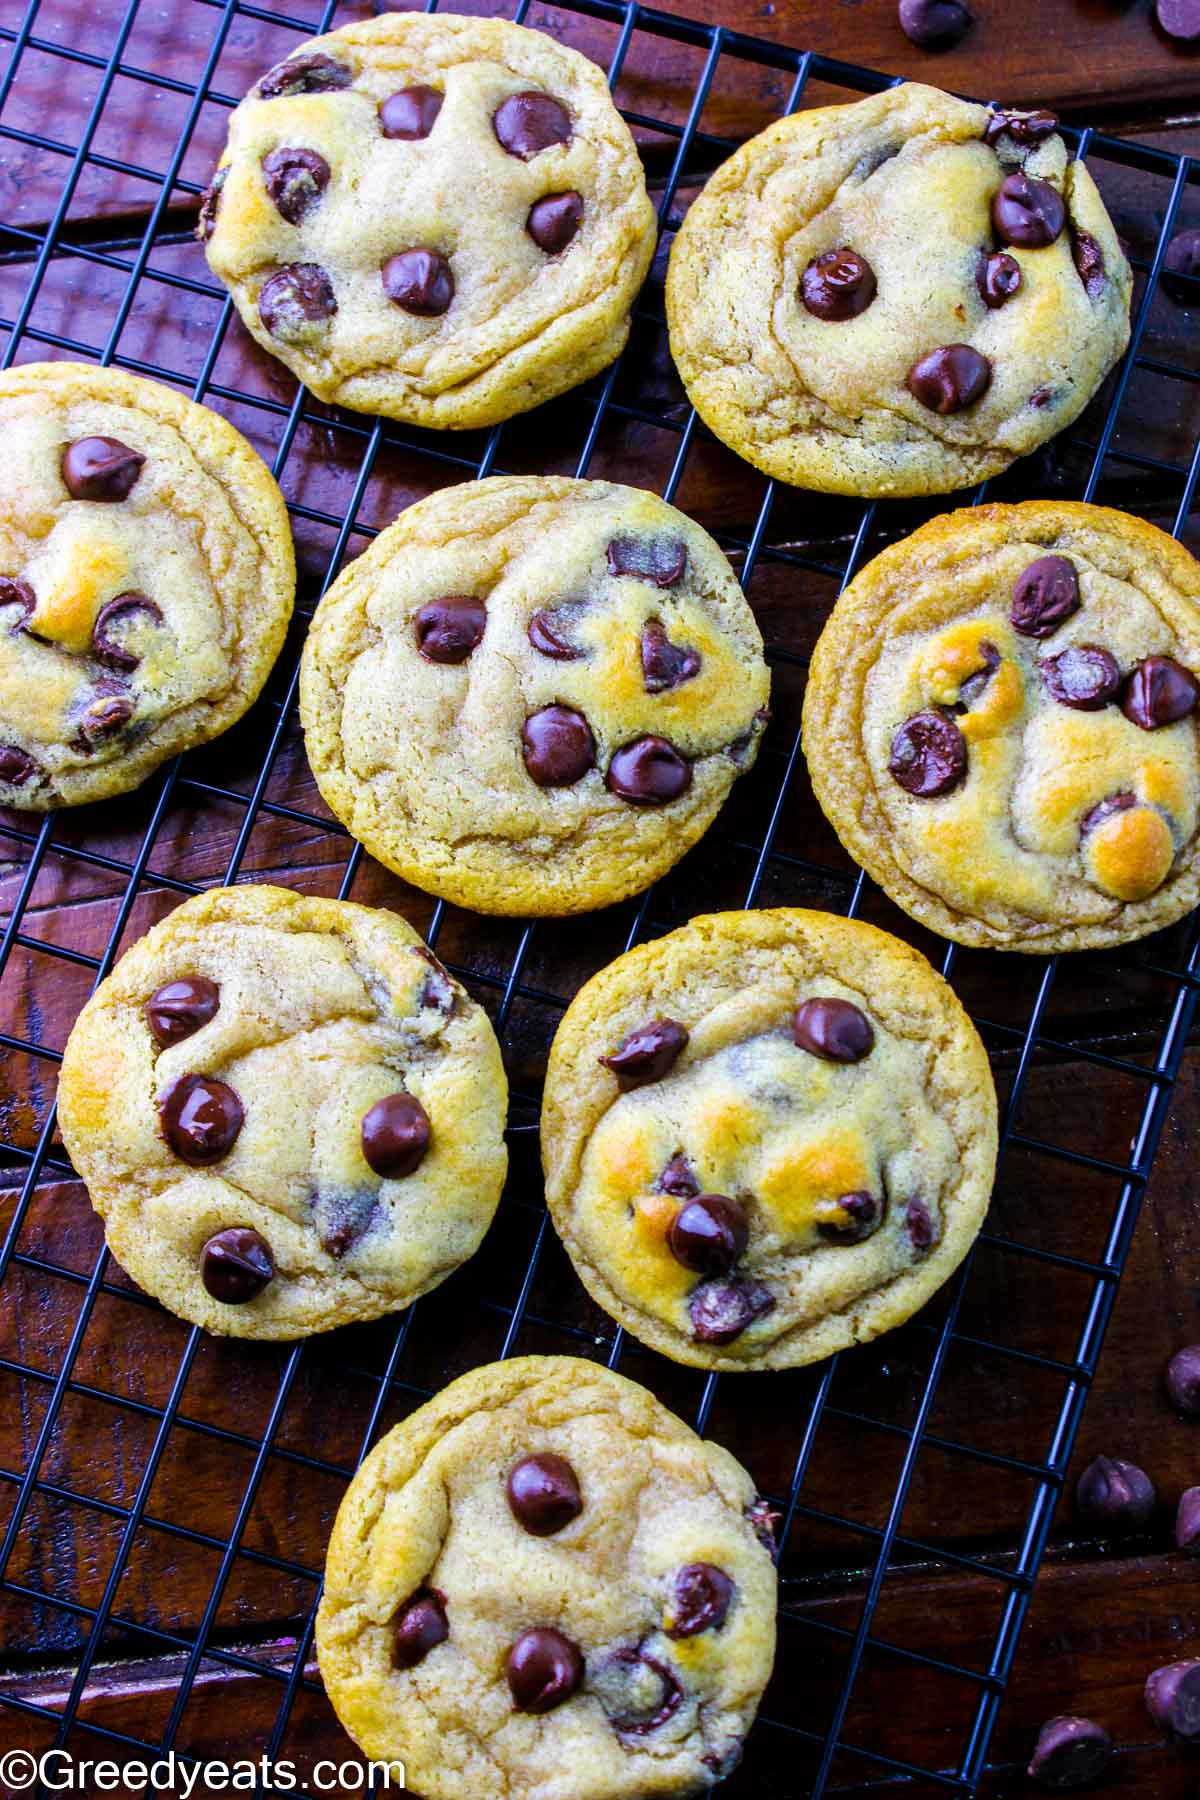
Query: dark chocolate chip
(700, 1600)
(918, 1223)
(648, 1053)
(837, 285)
(543, 1492)
(661, 560)
(1027, 212)
(545, 634)
(419, 281)
(721, 1310)
(1104, 809)
(862, 1212)
(296, 297)
(1158, 691)
(637, 1691)
(1183, 1380)
(664, 664)
(236, 1265)
(201, 1118)
(16, 766)
(437, 990)
(1181, 267)
(410, 113)
(949, 379)
(834, 1029)
(763, 1518)
(210, 205)
(1115, 1494)
(395, 1136)
(103, 719)
(1070, 1753)
(558, 746)
(544, 1669)
(709, 1234)
(108, 649)
(450, 628)
(1088, 258)
(1026, 129)
(295, 181)
(100, 468)
(1044, 596)
(928, 755)
(178, 1008)
(973, 687)
(1187, 1521)
(341, 1219)
(419, 1627)
(1083, 676)
(526, 123)
(648, 772)
(1173, 1699)
(678, 1178)
(554, 220)
(20, 594)
(1179, 19)
(312, 74)
(1041, 397)
(997, 277)
(738, 748)
(935, 24)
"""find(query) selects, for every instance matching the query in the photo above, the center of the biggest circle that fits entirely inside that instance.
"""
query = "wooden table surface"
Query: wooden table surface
(1105, 1612)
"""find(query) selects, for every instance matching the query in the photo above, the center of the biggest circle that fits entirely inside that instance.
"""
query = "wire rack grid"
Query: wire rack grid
(154, 267)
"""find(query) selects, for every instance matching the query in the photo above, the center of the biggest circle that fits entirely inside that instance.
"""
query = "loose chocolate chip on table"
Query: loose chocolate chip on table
(835, 1029)
(950, 378)
(103, 719)
(648, 772)
(295, 180)
(1104, 809)
(862, 1213)
(664, 664)
(526, 123)
(1024, 128)
(420, 1626)
(972, 689)
(449, 629)
(997, 277)
(648, 1053)
(1187, 1520)
(16, 765)
(178, 1008)
(838, 285)
(1088, 258)
(1173, 1699)
(1083, 676)
(1115, 1494)
(678, 1178)
(105, 647)
(553, 221)
(700, 1600)
(543, 1493)
(1182, 260)
(210, 204)
(411, 113)
(544, 1669)
(709, 1234)
(1159, 691)
(419, 281)
(763, 1518)
(1183, 1380)
(201, 1119)
(314, 74)
(1027, 212)
(1070, 1753)
(19, 594)
(1044, 596)
(236, 1265)
(935, 24)
(928, 755)
(544, 632)
(721, 1310)
(296, 296)
(558, 746)
(918, 1223)
(100, 468)
(637, 1691)
(1179, 18)
(661, 560)
(395, 1136)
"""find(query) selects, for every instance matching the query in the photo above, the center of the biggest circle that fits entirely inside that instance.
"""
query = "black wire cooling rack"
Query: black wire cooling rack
(1011, 1374)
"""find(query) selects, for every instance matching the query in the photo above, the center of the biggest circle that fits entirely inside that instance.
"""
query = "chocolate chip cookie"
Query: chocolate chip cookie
(766, 1137)
(543, 1583)
(1000, 724)
(531, 695)
(437, 218)
(146, 580)
(287, 1113)
(900, 296)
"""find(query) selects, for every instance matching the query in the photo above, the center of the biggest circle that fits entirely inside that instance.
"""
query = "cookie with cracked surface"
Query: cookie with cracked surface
(766, 1136)
(287, 1113)
(437, 218)
(543, 1584)
(146, 580)
(1000, 725)
(900, 296)
(532, 694)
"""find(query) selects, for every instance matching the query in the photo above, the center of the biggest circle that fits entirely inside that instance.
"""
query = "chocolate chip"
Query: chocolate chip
(700, 1600)
(1115, 1494)
(1173, 1699)
(997, 277)
(1083, 676)
(1026, 129)
(709, 1234)
(437, 990)
(395, 1136)
(16, 765)
(838, 284)
(973, 687)
(312, 74)
(1181, 266)
(949, 379)
(661, 560)
(721, 1310)
(100, 468)
(342, 1219)
(526, 123)
(554, 220)
(20, 594)
(1179, 18)
(419, 281)
(103, 719)
(935, 24)
(1187, 1521)
(545, 634)
(648, 1053)
(201, 1118)
(178, 1008)
(1027, 212)
(918, 1223)
(834, 1029)
(558, 745)
(410, 113)
(664, 664)
(678, 1178)
(295, 180)
(1044, 596)
(419, 1627)
(296, 297)
(105, 647)
(1183, 1380)
(637, 1691)
(210, 205)
(648, 772)
(721, 1763)
(862, 1210)
(763, 1518)
(1070, 1753)
(449, 629)
(1158, 691)
(544, 1669)
(236, 1265)
(1041, 397)
(1104, 809)
(543, 1492)
(1088, 258)
(928, 755)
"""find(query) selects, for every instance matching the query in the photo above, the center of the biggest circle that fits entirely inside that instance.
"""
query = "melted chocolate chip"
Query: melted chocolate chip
(1173, 1699)
(1158, 691)
(837, 285)
(637, 1691)
(648, 1053)
(972, 689)
(312, 74)
(1083, 676)
(928, 756)
(1026, 129)
(1104, 809)
(862, 1212)
(1044, 596)
(437, 990)
(935, 24)
(648, 772)
(678, 1178)
(545, 634)
(100, 468)
(709, 1234)
(997, 277)
(554, 221)
(103, 719)
(525, 124)
(295, 181)
(210, 205)
(342, 1219)
(558, 746)
(1088, 258)
(295, 298)
(721, 1310)
(543, 1493)
(201, 1118)
(20, 594)
(1027, 212)
(660, 560)
(178, 1008)
(449, 629)
(1115, 1494)
(419, 281)
(395, 1136)
(544, 1669)
(108, 649)
(1070, 1753)
(700, 1600)
(918, 1223)
(411, 113)
(419, 1627)
(236, 1265)
(763, 1518)
(16, 765)
(664, 664)
(1041, 397)
(833, 1029)
(1181, 267)
(949, 379)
